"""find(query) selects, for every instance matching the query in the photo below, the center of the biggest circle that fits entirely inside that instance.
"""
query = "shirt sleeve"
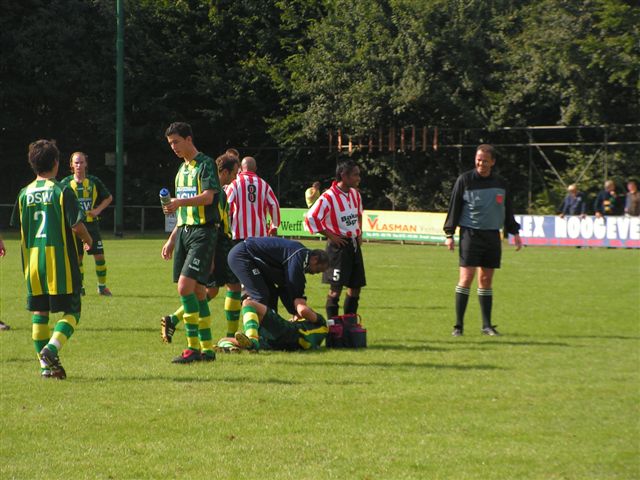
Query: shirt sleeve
(103, 191)
(209, 177)
(73, 213)
(15, 215)
(455, 207)
(314, 218)
(274, 208)
(510, 225)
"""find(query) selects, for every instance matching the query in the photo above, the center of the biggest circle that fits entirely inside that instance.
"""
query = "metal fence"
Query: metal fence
(136, 218)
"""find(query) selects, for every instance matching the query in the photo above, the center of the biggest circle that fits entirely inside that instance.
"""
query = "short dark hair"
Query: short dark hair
(179, 128)
(486, 148)
(321, 255)
(346, 166)
(232, 151)
(43, 155)
(227, 162)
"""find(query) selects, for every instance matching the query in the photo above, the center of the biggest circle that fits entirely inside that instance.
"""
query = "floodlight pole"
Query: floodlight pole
(119, 224)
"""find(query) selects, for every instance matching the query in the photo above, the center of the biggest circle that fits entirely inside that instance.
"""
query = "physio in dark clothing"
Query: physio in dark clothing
(481, 206)
(271, 267)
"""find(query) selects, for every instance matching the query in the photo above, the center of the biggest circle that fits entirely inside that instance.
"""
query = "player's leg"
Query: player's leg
(184, 277)
(40, 334)
(81, 265)
(356, 280)
(485, 297)
(204, 324)
(97, 250)
(232, 306)
(466, 275)
(62, 332)
(333, 277)
(491, 260)
(252, 313)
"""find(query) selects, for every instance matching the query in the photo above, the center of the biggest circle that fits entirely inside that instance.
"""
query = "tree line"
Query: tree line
(274, 78)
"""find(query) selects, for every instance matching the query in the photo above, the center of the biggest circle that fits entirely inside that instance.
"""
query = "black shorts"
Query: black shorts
(69, 303)
(346, 266)
(254, 282)
(480, 248)
(193, 256)
(222, 274)
(96, 247)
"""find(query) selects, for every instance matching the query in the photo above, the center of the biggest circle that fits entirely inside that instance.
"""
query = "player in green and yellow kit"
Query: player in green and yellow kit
(193, 238)
(94, 198)
(227, 166)
(49, 217)
(275, 332)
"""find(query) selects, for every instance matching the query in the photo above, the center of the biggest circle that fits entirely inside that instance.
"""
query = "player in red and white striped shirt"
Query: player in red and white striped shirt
(250, 200)
(337, 214)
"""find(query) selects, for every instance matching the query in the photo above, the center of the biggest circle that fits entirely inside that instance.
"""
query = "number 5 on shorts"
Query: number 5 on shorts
(336, 275)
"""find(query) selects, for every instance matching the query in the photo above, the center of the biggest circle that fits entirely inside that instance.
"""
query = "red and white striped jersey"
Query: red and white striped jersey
(250, 199)
(337, 212)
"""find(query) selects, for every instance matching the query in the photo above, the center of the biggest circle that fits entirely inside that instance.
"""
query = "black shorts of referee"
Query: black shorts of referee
(346, 266)
(480, 248)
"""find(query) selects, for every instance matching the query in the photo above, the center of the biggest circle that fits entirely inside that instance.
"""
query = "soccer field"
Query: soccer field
(556, 397)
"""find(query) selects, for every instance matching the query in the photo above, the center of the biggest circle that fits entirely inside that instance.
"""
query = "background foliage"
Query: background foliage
(273, 77)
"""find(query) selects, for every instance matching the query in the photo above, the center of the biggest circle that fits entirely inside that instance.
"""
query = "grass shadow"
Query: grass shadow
(436, 366)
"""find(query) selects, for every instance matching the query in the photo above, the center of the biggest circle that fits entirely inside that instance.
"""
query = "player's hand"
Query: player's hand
(273, 232)
(87, 244)
(450, 243)
(335, 239)
(172, 206)
(517, 242)
(93, 213)
(3, 250)
(167, 250)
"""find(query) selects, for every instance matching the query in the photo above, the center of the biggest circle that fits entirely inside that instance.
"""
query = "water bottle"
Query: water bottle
(165, 197)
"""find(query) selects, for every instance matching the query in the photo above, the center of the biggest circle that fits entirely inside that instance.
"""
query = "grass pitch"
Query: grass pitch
(556, 397)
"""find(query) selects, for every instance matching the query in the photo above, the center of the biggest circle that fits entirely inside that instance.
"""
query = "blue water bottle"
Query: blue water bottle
(165, 197)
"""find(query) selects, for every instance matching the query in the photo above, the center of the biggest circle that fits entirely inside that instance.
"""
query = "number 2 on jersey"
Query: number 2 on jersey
(40, 233)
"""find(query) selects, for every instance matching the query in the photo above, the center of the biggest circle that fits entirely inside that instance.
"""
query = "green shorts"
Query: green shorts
(96, 247)
(68, 303)
(193, 256)
(222, 274)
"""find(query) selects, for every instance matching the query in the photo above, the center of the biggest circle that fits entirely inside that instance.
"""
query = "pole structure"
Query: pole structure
(119, 223)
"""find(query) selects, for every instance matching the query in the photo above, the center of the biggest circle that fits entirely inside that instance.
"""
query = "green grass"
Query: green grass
(557, 397)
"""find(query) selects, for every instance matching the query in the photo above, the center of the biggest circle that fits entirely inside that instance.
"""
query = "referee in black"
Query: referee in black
(480, 205)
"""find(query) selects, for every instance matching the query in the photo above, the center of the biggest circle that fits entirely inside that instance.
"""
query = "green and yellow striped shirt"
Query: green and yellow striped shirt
(90, 192)
(194, 178)
(45, 211)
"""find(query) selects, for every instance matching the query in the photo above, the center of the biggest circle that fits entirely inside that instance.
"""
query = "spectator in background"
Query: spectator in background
(251, 199)
(312, 194)
(574, 203)
(608, 202)
(632, 204)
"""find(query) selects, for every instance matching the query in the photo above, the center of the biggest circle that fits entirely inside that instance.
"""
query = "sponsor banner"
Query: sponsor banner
(573, 231)
(377, 225)
(403, 226)
(292, 223)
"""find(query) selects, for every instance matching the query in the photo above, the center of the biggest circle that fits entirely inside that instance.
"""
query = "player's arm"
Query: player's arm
(274, 212)
(97, 210)
(304, 311)
(81, 231)
(453, 215)
(170, 244)
(202, 199)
